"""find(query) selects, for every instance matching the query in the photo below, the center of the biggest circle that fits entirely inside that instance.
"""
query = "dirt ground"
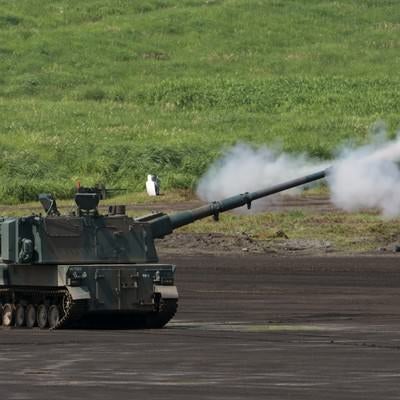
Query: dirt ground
(217, 243)
(248, 327)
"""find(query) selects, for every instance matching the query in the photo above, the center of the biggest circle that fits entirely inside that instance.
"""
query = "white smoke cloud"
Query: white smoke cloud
(368, 177)
(244, 168)
(363, 178)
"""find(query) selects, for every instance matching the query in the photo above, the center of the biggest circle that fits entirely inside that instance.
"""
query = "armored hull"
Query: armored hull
(105, 295)
(62, 271)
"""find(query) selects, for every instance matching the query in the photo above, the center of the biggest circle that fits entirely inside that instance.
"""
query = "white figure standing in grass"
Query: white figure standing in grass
(153, 185)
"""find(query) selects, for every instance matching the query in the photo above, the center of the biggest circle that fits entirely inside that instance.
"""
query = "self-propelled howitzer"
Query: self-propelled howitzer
(66, 270)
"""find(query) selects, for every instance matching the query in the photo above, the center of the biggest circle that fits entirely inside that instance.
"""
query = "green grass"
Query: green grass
(348, 233)
(144, 204)
(108, 91)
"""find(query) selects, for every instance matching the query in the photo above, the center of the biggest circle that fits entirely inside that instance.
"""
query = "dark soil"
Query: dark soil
(218, 243)
(247, 327)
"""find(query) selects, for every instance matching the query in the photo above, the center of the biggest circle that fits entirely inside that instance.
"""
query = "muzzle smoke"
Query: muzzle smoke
(245, 169)
(366, 177)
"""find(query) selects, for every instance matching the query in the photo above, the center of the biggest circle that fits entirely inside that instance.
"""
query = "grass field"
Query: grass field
(108, 91)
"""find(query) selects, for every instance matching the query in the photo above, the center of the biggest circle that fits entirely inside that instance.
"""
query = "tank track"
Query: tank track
(70, 311)
(73, 313)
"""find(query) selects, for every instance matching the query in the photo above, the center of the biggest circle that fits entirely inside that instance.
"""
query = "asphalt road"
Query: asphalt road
(247, 327)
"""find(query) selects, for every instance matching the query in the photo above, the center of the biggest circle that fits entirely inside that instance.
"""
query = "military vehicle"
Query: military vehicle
(61, 271)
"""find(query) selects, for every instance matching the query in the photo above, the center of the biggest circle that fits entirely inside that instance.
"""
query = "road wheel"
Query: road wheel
(30, 316)
(19, 316)
(66, 303)
(8, 314)
(54, 316)
(41, 316)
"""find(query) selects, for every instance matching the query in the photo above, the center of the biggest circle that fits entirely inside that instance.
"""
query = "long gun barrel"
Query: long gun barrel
(165, 224)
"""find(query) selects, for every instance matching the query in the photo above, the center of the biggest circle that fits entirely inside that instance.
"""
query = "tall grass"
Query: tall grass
(108, 91)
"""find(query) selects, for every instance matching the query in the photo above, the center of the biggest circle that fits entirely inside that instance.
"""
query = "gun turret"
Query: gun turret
(163, 224)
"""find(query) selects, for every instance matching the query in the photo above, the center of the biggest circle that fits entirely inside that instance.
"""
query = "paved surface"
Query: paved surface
(248, 327)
